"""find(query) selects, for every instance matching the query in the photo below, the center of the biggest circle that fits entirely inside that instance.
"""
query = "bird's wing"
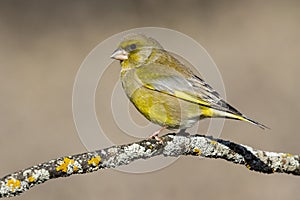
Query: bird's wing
(193, 89)
(212, 96)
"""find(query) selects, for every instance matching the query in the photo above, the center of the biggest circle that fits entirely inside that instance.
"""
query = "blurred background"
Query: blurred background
(255, 44)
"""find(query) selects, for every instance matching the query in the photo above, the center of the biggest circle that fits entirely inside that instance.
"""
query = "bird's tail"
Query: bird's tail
(260, 125)
(241, 117)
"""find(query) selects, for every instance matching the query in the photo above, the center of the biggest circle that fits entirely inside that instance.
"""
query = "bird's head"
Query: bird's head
(135, 49)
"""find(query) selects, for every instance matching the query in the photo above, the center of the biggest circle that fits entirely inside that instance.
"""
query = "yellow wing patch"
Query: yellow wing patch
(182, 95)
(187, 97)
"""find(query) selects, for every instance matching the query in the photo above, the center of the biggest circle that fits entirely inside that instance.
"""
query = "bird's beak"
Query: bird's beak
(119, 54)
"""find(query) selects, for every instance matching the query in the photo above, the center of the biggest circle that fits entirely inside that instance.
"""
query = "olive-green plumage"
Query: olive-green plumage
(164, 90)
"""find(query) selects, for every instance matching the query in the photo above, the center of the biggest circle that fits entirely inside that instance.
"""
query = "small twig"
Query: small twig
(174, 146)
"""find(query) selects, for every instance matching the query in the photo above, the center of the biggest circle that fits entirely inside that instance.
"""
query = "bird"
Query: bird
(166, 91)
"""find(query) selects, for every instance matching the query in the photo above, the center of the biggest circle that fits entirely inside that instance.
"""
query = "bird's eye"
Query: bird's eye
(132, 47)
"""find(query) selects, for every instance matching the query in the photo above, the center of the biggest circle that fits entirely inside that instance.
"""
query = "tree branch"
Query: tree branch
(173, 145)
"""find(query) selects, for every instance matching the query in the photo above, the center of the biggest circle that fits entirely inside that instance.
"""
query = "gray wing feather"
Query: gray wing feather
(168, 80)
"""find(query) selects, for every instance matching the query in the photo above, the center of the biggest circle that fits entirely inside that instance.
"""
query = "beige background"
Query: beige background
(254, 43)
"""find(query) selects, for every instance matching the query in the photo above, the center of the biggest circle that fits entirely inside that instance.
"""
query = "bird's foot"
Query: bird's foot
(156, 137)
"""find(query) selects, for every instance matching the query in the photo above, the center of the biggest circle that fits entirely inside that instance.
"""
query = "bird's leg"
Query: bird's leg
(155, 135)
(182, 132)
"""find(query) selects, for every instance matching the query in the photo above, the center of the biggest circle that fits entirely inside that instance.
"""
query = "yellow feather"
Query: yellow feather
(187, 97)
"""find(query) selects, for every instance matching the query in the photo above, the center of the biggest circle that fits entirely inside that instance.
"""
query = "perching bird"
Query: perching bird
(164, 90)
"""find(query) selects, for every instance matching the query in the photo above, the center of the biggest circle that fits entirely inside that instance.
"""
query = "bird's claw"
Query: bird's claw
(156, 137)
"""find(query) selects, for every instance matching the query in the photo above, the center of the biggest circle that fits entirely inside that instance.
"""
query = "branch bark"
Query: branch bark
(173, 145)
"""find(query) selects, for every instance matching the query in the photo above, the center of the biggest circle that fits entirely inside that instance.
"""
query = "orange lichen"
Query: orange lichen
(31, 179)
(64, 166)
(213, 142)
(197, 151)
(13, 184)
(75, 168)
(94, 161)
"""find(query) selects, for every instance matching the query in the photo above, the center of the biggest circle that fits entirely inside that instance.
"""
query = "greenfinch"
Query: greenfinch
(164, 90)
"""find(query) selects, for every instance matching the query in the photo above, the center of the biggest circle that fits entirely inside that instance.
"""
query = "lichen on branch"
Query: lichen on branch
(172, 146)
